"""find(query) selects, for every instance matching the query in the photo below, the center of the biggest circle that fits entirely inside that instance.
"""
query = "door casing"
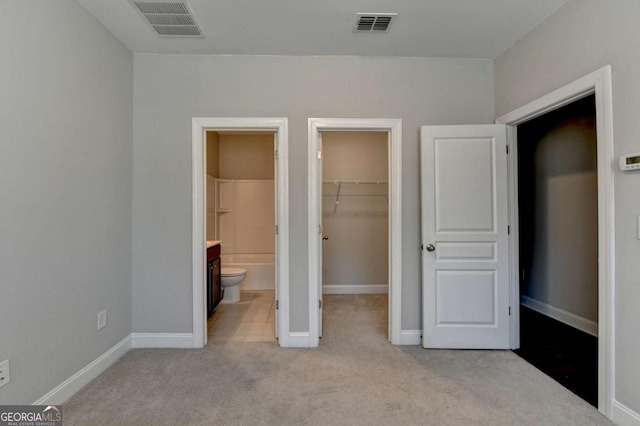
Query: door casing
(598, 83)
(199, 127)
(394, 128)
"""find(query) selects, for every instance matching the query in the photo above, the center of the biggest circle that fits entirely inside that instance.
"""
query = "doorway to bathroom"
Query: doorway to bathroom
(241, 216)
(241, 222)
(355, 226)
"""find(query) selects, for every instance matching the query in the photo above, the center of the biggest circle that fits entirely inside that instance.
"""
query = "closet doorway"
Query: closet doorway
(355, 230)
(594, 91)
(354, 220)
(558, 250)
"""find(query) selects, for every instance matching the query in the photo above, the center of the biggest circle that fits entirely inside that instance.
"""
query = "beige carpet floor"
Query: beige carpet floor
(355, 377)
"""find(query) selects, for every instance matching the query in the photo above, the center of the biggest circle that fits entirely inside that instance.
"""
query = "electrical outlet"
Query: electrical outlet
(5, 377)
(102, 319)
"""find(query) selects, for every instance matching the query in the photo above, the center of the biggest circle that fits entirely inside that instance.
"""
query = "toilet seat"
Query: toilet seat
(232, 272)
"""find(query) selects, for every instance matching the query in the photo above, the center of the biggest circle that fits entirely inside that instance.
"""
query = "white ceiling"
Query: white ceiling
(423, 28)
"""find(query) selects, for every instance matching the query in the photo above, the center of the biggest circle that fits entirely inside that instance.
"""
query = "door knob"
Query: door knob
(431, 247)
(325, 238)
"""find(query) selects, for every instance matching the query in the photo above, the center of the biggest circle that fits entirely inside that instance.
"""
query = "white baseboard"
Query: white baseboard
(623, 415)
(355, 289)
(161, 340)
(561, 315)
(61, 393)
(260, 285)
(299, 339)
(411, 337)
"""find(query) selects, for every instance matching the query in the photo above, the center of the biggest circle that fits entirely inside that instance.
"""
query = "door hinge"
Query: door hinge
(319, 304)
(508, 230)
(320, 229)
(277, 305)
(319, 155)
(507, 149)
(509, 310)
(276, 154)
(276, 229)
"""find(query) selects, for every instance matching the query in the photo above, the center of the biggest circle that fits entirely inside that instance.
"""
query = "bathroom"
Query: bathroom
(240, 226)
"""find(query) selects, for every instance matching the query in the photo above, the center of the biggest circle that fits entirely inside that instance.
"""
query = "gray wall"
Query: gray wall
(558, 200)
(357, 251)
(170, 90)
(578, 39)
(65, 190)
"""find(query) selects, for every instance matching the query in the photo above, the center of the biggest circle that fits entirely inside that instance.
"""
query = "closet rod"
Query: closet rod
(356, 182)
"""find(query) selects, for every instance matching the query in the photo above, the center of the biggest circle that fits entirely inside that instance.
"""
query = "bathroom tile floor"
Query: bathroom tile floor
(252, 319)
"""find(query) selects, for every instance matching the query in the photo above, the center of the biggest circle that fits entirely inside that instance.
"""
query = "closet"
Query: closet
(558, 252)
(355, 213)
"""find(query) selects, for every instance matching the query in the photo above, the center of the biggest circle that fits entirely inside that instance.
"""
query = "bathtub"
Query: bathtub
(261, 269)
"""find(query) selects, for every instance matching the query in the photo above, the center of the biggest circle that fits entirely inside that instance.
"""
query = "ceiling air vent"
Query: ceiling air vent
(169, 18)
(374, 22)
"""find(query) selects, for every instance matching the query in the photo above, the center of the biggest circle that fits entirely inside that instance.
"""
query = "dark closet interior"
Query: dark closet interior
(558, 252)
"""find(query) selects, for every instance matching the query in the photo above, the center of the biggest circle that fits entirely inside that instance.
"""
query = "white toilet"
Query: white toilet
(231, 278)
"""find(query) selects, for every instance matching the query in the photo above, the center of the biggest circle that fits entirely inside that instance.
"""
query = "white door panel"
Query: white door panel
(464, 221)
(465, 297)
(474, 178)
(466, 251)
(320, 231)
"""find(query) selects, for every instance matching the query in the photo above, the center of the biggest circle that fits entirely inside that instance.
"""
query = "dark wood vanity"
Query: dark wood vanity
(214, 283)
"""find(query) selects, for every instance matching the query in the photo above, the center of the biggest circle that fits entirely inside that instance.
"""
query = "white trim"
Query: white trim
(598, 82)
(623, 415)
(199, 126)
(299, 339)
(161, 340)
(565, 317)
(411, 337)
(394, 128)
(571, 92)
(355, 289)
(61, 393)
(513, 238)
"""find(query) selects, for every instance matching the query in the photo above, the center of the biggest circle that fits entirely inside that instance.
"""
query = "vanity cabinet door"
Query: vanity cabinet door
(210, 285)
(216, 284)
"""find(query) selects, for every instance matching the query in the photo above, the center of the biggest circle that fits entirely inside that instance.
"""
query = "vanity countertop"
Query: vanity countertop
(211, 243)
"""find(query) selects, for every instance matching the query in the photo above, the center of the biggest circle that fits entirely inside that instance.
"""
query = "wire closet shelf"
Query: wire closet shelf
(339, 184)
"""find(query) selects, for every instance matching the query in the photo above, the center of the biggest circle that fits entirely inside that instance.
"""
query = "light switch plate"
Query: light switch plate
(102, 320)
(5, 377)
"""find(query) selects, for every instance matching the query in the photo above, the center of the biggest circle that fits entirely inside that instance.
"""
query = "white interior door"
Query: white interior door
(465, 266)
(277, 245)
(320, 232)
